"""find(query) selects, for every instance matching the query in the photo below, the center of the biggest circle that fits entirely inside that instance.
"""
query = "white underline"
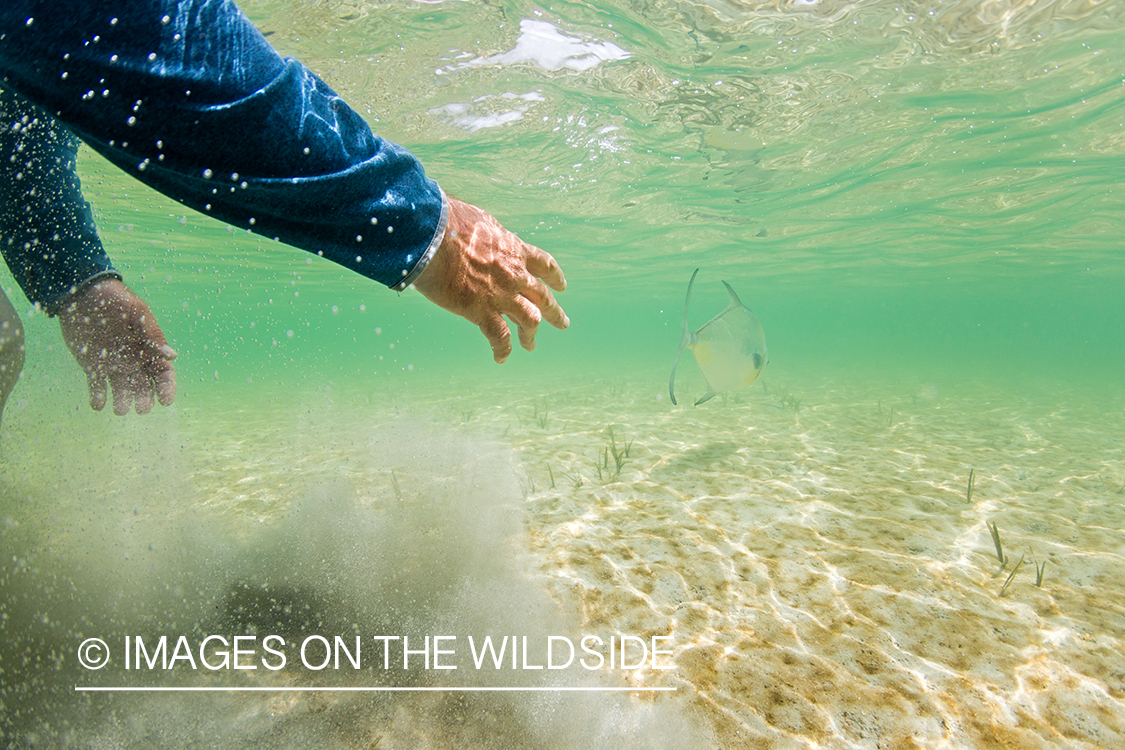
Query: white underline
(126, 689)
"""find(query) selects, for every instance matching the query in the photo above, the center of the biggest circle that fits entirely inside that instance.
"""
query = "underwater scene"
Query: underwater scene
(886, 510)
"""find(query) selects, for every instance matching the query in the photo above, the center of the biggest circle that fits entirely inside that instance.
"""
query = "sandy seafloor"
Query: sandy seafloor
(809, 546)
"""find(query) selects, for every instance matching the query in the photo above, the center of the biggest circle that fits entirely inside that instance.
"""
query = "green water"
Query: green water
(884, 185)
(923, 205)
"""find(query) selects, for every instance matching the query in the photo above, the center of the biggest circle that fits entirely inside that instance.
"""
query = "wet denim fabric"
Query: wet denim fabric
(191, 99)
(47, 232)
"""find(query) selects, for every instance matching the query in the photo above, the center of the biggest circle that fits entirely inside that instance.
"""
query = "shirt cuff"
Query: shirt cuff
(427, 256)
(56, 306)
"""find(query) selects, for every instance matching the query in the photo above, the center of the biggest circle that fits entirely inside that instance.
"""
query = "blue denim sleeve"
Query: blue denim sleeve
(47, 233)
(188, 97)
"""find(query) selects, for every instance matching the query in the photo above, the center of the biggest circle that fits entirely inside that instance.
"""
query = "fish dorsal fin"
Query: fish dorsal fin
(735, 304)
(685, 339)
(734, 300)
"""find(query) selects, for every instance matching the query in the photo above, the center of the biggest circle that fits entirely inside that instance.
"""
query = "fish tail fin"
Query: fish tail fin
(706, 396)
(685, 339)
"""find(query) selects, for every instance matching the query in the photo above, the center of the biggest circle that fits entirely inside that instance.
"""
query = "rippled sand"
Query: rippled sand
(811, 548)
(826, 579)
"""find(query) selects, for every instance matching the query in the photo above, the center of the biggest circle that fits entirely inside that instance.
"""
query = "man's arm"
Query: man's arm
(187, 96)
(47, 232)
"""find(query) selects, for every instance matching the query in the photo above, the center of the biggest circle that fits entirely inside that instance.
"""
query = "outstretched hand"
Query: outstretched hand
(482, 272)
(114, 337)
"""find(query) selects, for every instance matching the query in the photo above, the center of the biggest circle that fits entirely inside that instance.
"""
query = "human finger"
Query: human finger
(526, 316)
(97, 386)
(164, 379)
(123, 391)
(140, 387)
(542, 298)
(143, 398)
(541, 264)
(160, 373)
(499, 337)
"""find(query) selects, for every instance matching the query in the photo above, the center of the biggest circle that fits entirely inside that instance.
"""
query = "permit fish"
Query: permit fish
(730, 348)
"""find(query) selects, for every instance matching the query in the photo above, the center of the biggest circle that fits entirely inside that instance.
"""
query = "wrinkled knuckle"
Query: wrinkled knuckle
(529, 311)
(495, 329)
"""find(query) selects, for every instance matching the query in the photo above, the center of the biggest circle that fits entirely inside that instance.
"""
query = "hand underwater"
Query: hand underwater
(482, 272)
(114, 337)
